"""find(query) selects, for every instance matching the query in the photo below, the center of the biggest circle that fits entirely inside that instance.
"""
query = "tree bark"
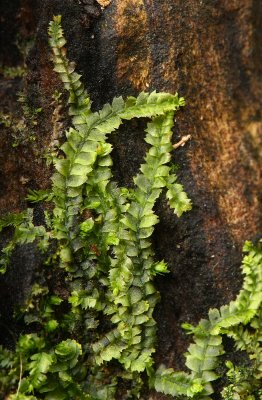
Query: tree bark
(210, 53)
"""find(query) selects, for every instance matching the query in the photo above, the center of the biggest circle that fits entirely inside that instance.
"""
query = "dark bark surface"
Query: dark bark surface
(210, 52)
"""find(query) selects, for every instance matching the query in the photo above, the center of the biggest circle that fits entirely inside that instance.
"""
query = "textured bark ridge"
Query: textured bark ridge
(208, 51)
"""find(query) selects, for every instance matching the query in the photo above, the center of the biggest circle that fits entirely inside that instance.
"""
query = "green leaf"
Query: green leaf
(135, 294)
(38, 368)
(142, 362)
(86, 158)
(30, 343)
(51, 325)
(68, 352)
(62, 166)
(87, 225)
(12, 220)
(175, 383)
(110, 125)
(177, 198)
(112, 351)
(36, 196)
(149, 105)
(148, 220)
(76, 180)
(143, 183)
(160, 268)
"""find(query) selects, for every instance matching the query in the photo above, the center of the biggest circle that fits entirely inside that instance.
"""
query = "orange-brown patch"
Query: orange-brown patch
(104, 3)
(133, 53)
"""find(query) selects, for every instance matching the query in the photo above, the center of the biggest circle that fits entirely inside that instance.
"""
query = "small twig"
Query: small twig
(182, 141)
(20, 377)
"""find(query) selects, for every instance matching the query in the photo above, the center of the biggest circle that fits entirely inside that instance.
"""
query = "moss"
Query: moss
(99, 236)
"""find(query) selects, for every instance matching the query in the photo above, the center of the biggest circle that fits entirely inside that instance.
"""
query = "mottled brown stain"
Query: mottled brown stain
(23, 166)
(133, 53)
(198, 60)
(229, 169)
(221, 152)
(162, 46)
(203, 50)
